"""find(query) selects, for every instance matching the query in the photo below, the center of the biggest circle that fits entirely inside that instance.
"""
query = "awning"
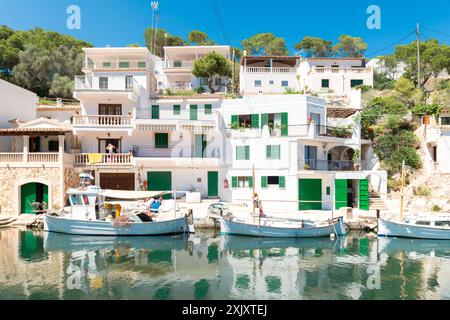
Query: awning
(132, 195)
(33, 131)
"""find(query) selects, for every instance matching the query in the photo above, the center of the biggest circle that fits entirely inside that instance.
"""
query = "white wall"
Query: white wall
(15, 102)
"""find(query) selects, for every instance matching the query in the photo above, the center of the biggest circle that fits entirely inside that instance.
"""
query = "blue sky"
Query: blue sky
(121, 22)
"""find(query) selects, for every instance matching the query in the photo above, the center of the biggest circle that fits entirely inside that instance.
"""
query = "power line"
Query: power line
(436, 31)
(391, 45)
(219, 20)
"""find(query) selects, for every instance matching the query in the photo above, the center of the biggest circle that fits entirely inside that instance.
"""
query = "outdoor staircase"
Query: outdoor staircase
(376, 203)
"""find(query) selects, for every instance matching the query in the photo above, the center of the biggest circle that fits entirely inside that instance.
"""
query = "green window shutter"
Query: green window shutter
(161, 140)
(273, 152)
(106, 64)
(234, 120)
(356, 82)
(247, 152)
(255, 120)
(284, 124)
(176, 110)
(282, 182)
(364, 194)
(263, 182)
(242, 152)
(250, 182)
(124, 64)
(193, 112)
(239, 153)
(155, 112)
(268, 152)
(340, 193)
(141, 64)
(264, 119)
(208, 109)
(234, 182)
(177, 64)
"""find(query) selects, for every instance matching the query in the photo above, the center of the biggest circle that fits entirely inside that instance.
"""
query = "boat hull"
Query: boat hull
(247, 229)
(105, 228)
(396, 229)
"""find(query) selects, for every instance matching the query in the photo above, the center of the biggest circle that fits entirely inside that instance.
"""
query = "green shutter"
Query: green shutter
(234, 182)
(255, 120)
(161, 140)
(160, 181)
(282, 182)
(273, 152)
(247, 153)
(193, 112)
(310, 194)
(250, 182)
(176, 109)
(213, 183)
(364, 194)
(234, 120)
(242, 153)
(263, 182)
(155, 112)
(177, 64)
(340, 191)
(124, 64)
(141, 64)
(264, 119)
(284, 124)
(208, 109)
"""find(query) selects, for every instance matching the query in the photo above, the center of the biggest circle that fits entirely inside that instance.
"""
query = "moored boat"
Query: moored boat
(417, 226)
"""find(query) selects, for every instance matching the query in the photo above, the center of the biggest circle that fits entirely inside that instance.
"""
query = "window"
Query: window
(273, 180)
(203, 81)
(328, 191)
(325, 83)
(273, 152)
(161, 140)
(242, 152)
(257, 83)
(242, 182)
(279, 181)
(124, 64)
(356, 82)
(177, 64)
(423, 223)
(128, 82)
(155, 112)
(53, 146)
(106, 64)
(442, 224)
(218, 81)
(284, 83)
(445, 121)
(208, 109)
(271, 82)
(176, 110)
(141, 64)
(311, 157)
(103, 82)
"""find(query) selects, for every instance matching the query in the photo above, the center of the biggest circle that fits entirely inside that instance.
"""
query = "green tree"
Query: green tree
(390, 64)
(61, 87)
(162, 39)
(199, 38)
(315, 47)
(134, 45)
(265, 44)
(349, 46)
(211, 65)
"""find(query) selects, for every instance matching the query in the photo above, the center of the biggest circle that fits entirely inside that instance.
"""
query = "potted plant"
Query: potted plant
(356, 161)
(306, 166)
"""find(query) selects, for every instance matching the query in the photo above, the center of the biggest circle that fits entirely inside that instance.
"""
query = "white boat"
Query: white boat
(270, 227)
(429, 226)
(88, 214)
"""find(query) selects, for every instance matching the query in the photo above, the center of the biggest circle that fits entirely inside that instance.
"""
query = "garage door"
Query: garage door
(117, 181)
(340, 189)
(160, 181)
(310, 194)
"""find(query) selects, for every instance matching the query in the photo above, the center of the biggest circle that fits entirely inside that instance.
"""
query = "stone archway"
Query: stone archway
(340, 153)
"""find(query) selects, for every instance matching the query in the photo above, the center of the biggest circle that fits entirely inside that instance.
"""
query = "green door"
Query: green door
(155, 112)
(32, 192)
(310, 190)
(193, 112)
(213, 184)
(200, 146)
(160, 181)
(364, 194)
(340, 189)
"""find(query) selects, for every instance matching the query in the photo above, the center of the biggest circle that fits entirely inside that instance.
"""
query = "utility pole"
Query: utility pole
(419, 83)
(233, 88)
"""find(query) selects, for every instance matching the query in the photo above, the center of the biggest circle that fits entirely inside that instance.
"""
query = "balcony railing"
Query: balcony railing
(330, 165)
(342, 70)
(38, 157)
(270, 70)
(336, 132)
(167, 114)
(178, 63)
(102, 121)
(180, 86)
(104, 159)
(175, 151)
(116, 83)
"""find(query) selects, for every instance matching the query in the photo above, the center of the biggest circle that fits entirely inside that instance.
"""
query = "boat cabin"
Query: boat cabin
(428, 221)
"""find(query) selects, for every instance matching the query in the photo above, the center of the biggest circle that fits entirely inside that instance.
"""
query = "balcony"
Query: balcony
(334, 132)
(178, 64)
(269, 70)
(20, 159)
(176, 151)
(102, 122)
(179, 86)
(330, 165)
(112, 84)
(341, 70)
(103, 159)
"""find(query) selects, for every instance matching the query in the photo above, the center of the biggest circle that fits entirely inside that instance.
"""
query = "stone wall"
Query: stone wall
(13, 178)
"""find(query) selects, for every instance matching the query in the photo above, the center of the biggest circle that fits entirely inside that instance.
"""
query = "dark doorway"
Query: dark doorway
(35, 144)
(117, 181)
(110, 109)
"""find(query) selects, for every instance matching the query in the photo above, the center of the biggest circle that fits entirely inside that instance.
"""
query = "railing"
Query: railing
(184, 64)
(132, 64)
(175, 151)
(120, 83)
(330, 165)
(342, 70)
(180, 86)
(115, 159)
(335, 132)
(102, 121)
(270, 70)
(31, 157)
(167, 114)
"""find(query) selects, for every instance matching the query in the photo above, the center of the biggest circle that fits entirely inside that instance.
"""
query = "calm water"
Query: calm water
(207, 266)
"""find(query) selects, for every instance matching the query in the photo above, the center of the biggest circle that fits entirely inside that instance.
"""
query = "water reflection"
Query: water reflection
(206, 266)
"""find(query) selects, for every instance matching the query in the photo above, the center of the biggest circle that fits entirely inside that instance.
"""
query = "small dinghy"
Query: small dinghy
(270, 227)
(92, 213)
(4, 221)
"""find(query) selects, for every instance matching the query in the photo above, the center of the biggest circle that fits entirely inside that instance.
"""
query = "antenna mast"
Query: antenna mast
(419, 83)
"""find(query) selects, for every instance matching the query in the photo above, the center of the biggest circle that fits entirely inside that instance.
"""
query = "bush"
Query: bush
(363, 87)
(200, 90)
(394, 184)
(422, 191)
(436, 208)
(421, 109)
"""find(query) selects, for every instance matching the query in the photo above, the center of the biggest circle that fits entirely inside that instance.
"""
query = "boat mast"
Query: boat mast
(402, 191)
(253, 185)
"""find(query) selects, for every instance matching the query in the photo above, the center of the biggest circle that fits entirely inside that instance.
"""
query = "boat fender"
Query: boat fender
(332, 236)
